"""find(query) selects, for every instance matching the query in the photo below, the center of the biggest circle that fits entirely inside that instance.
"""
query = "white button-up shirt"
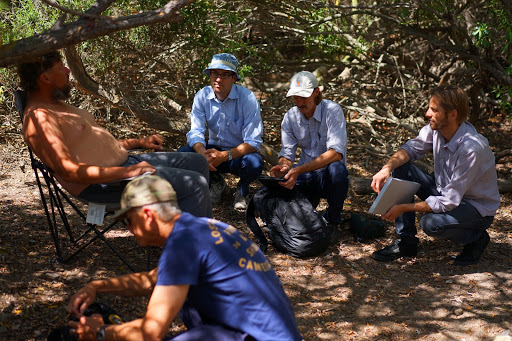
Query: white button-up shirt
(325, 130)
(464, 168)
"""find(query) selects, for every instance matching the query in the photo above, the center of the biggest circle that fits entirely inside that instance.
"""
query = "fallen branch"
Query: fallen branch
(503, 154)
(362, 186)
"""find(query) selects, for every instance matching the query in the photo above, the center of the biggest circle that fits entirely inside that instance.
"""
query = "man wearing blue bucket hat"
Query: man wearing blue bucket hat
(231, 113)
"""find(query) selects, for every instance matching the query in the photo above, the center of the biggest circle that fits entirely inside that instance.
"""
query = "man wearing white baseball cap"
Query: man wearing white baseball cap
(318, 126)
(231, 113)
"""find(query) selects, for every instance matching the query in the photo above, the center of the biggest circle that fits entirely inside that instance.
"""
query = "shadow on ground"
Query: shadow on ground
(340, 295)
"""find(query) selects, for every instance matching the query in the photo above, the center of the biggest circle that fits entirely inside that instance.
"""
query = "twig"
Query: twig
(70, 11)
(401, 79)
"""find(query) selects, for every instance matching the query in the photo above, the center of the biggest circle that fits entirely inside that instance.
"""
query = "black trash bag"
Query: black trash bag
(292, 223)
(108, 314)
(365, 229)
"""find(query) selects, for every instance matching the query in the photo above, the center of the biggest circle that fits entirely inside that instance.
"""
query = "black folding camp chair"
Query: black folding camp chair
(56, 200)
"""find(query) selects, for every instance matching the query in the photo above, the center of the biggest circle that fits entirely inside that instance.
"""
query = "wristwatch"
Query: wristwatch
(230, 156)
(100, 335)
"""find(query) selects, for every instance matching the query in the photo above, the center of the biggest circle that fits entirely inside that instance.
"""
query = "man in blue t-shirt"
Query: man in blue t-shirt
(219, 281)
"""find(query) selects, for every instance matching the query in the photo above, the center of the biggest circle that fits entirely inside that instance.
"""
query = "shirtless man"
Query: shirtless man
(85, 158)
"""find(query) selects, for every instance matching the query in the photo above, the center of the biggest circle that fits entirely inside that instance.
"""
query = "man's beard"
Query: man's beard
(438, 125)
(62, 93)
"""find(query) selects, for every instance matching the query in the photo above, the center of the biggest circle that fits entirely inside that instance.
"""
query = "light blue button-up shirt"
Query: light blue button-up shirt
(464, 168)
(325, 130)
(230, 123)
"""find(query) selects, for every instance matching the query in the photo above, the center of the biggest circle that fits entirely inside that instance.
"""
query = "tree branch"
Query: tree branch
(70, 11)
(99, 7)
(153, 118)
(73, 33)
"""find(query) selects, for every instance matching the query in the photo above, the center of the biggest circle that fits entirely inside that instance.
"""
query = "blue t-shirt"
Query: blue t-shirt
(231, 281)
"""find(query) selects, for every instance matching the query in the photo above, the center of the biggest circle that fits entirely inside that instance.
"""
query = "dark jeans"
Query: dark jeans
(330, 183)
(462, 225)
(248, 167)
(187, 173)
(199, 330)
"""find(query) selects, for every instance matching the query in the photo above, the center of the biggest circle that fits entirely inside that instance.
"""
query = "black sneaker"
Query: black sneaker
(472, 252)
(334, 228)
(394, 251)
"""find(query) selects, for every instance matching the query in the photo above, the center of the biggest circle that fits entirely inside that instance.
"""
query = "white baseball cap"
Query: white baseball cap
(302, 84)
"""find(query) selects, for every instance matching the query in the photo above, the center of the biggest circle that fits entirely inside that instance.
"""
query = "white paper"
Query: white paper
(96, 213)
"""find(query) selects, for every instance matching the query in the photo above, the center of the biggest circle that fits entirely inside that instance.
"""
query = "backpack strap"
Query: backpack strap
(254, 226)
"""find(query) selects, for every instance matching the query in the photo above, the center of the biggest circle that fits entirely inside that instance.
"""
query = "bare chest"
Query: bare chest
(74, 128)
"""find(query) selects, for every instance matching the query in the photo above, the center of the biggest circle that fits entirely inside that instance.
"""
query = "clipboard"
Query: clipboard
(395, 191)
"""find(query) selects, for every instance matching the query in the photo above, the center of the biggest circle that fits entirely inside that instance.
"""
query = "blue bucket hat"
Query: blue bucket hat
(223, 61)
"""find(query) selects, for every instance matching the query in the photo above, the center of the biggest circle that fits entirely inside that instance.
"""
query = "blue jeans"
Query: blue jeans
(187, 173)
(247, 167)
(203, 330)
(330, 183)
(462, 225)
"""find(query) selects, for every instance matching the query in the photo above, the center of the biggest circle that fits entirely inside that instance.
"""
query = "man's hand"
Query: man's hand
(140, 169)
(379, 179)
(81, 300)
(279, 170)
(152, 142)
(291, 178)
(398, 159)
(215, 157)
(87, 327)
(394, 212)
(208, 155)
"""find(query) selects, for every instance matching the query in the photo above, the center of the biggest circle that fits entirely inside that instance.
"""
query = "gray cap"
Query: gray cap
(145, 190)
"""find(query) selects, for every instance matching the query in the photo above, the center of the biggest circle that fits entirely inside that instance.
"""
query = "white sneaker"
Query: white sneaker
(216, 189)
(240, 202)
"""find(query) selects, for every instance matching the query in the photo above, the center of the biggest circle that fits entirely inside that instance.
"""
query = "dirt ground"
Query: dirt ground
(340, 295)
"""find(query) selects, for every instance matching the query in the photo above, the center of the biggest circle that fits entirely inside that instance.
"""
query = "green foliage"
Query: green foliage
(4, 4)
(23, 18)
(167, 59)
(481, 33)
(503, 24)
(495, 34)
(504, 96)
(273, 39)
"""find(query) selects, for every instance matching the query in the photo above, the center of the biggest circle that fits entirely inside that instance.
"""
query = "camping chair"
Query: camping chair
(56, 200)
